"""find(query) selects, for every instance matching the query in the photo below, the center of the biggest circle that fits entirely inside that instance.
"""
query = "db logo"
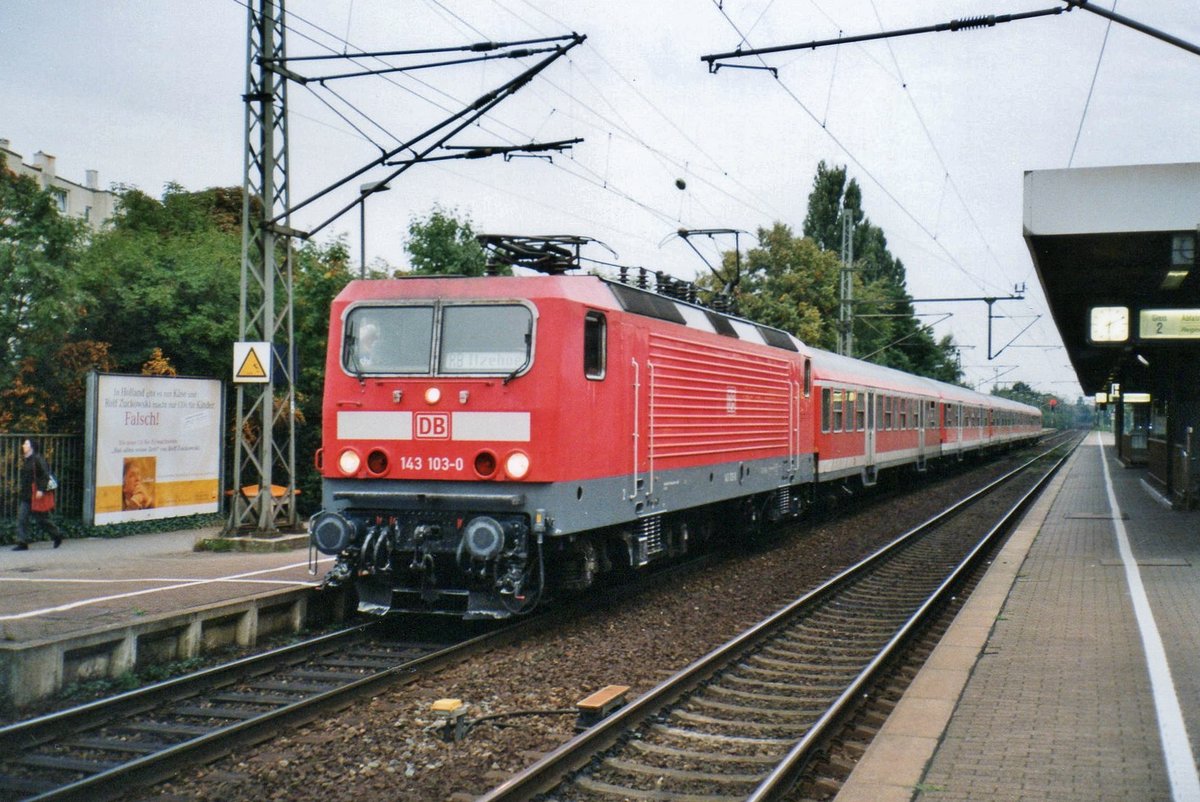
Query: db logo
(433, 425)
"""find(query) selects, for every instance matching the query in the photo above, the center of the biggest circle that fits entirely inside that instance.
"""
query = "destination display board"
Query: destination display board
(1169, 324)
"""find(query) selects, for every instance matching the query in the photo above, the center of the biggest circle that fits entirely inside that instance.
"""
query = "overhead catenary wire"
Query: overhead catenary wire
(295, 21)
(866, 171)
(672, 123)
(934, 147)
(842, 39)
(1091, 88)
(470, 114)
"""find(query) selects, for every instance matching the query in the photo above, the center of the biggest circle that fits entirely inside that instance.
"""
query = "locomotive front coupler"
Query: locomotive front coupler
(337, 575)
(423, 557)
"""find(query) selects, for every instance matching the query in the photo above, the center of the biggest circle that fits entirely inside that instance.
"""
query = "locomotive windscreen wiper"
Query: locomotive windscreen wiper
(352, 350)
(528, 354)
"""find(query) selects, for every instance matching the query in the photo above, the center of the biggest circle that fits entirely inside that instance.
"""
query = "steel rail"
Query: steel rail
(31, 734)
(577, 752)
(163, 764)
(783, 776)
(35, 731)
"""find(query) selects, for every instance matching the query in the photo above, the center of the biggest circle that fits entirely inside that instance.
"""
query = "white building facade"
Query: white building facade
(86, 201)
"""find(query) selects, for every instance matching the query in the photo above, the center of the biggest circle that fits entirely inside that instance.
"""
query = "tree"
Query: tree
(441, 244)
(788, 283)
(39, 248)
(1055, 412)
(1022, 392)
(165, 276)
(886, 329)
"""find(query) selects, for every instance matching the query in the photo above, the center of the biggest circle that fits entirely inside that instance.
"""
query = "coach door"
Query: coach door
(958, 430)
(869, 439)
(922, 429)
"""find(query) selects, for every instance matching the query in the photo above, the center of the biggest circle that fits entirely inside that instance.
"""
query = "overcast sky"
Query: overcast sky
(938, 129)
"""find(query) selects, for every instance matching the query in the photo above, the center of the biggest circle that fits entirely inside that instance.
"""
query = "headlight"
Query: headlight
(517, 465)
(349, 462)
(433, 395)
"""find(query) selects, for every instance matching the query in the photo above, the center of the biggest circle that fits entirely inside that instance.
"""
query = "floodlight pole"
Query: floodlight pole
(364, 191)
(264, 441)
(846, 292)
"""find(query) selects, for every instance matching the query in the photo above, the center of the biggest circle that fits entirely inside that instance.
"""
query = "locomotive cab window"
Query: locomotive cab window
(595, 345)
(494, 339)
(485, 339)
(394, 339)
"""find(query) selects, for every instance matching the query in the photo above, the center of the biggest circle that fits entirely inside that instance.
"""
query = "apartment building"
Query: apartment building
(86, 201)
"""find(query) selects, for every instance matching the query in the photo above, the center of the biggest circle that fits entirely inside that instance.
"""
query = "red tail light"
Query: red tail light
(485, 464)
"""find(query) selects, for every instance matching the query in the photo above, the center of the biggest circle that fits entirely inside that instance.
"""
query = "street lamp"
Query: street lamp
(366, 189)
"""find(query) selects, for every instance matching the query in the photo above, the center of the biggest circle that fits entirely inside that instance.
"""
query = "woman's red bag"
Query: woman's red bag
(43, 504)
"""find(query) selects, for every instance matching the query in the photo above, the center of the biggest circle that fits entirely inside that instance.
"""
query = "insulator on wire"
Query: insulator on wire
(988, 21)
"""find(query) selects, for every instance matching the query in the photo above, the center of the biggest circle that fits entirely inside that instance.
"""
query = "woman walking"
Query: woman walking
(34, 472)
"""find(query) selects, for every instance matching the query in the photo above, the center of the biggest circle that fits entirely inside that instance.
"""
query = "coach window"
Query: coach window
(595, 345)
(837, 410)
(826, 410)
(860, 411)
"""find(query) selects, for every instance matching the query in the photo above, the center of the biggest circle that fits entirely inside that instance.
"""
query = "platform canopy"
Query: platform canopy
(1115, 250)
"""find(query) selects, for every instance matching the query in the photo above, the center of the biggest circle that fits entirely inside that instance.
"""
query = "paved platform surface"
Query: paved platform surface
(1073, 673)
(97, 583)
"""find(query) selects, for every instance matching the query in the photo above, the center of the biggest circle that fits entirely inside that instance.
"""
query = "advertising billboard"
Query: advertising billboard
(155, 445)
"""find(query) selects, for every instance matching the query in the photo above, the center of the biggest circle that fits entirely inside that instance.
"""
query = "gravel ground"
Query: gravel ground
(385, 749)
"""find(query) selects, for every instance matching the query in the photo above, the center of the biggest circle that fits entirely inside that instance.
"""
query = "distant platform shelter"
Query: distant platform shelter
(1115, 250)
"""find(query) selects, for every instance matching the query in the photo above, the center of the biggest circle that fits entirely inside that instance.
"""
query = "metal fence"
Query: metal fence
(64, 452)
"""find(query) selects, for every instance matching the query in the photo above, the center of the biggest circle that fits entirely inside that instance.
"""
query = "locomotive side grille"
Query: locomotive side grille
(707, 400)
(783, 501)
(649, 538)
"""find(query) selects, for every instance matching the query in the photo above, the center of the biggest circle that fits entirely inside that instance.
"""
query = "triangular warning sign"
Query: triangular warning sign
(252, 367)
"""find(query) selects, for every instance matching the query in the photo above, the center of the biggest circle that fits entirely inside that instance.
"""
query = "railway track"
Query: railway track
(98, 750)
(101, 749)
(746, 719)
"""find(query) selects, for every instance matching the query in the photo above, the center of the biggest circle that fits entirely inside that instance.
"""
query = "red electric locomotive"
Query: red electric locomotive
(488, 440)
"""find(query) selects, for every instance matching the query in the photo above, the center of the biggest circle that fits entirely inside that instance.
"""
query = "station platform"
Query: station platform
(1073, 672)
(99, 607)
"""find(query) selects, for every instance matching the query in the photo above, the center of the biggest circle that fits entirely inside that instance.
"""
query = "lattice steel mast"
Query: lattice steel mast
(265, 439)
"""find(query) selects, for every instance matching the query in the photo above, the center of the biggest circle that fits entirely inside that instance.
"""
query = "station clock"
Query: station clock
(1109, 324)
